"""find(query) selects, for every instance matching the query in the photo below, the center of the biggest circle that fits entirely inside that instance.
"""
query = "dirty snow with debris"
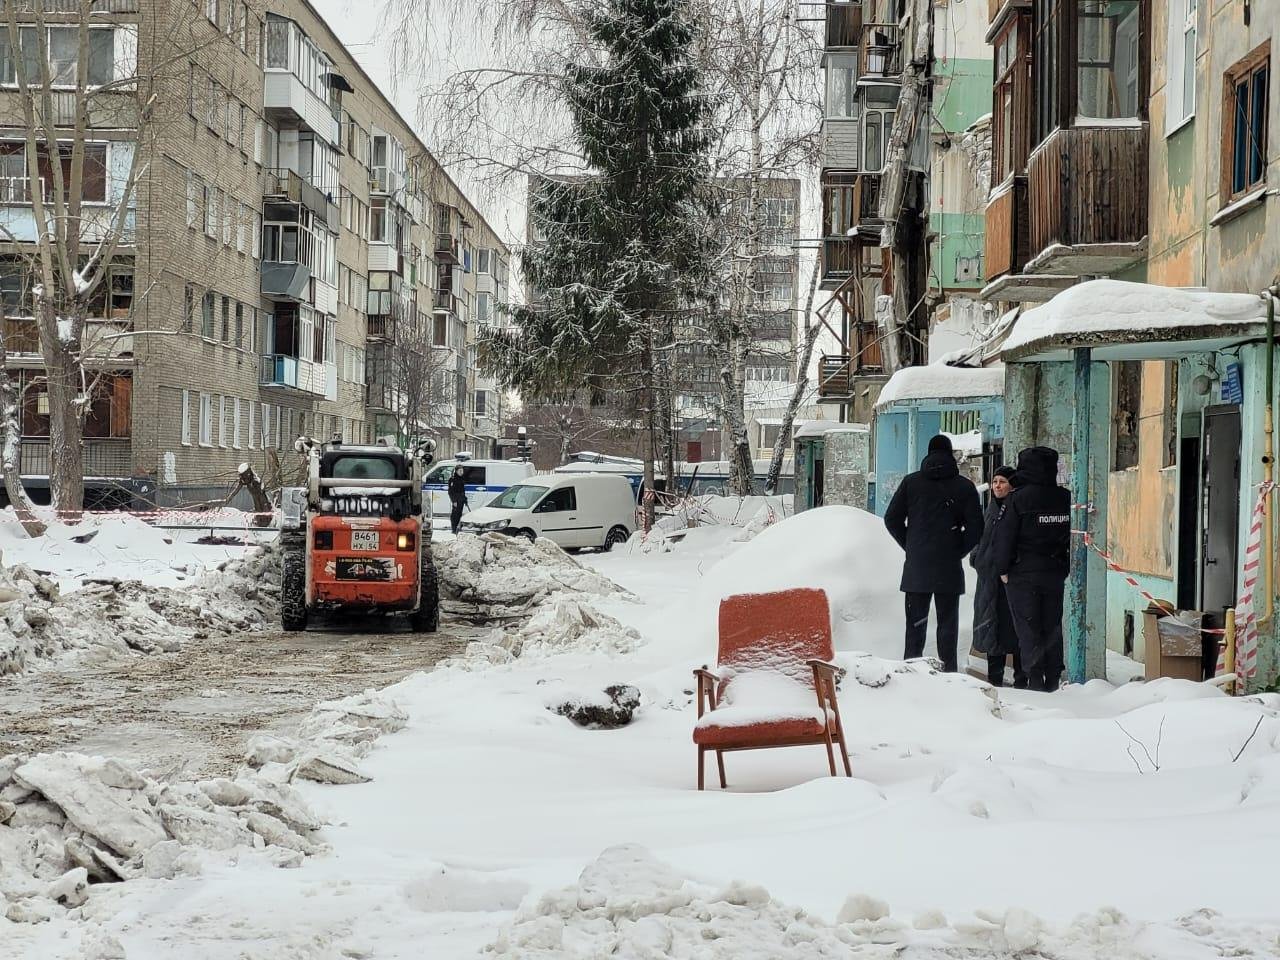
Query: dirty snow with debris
(69, 822)
(119, 607)
(1102, 821)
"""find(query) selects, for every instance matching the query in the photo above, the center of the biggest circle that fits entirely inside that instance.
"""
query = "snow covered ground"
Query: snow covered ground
(1140, 820)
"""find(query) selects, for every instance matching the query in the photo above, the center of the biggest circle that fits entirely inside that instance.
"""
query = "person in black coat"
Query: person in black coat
(1031, 553)
(993, 630)
(457, 497)
(936, 517)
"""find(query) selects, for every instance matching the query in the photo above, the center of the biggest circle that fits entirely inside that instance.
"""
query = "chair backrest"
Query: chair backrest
(776, 631)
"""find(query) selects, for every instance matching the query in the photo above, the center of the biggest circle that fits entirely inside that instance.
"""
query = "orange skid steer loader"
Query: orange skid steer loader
(354, 540)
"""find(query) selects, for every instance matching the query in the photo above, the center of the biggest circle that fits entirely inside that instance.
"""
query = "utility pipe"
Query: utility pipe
(1268, 458)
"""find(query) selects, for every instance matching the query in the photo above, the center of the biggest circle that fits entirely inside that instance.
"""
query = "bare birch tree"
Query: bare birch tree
(74, 244)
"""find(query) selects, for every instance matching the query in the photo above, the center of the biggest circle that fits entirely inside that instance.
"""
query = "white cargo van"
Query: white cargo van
(484, 479)
(574, 510)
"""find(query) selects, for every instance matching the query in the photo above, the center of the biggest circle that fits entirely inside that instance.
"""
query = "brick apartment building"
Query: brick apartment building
(290, 240)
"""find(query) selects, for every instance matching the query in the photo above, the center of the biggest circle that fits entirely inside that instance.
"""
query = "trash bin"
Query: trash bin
(1174, 645)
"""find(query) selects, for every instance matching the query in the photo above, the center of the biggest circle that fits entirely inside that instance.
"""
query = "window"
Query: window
(222, 421)
(206, 315)
(195, 196)
(211, 10)
(876, 125)
(235, 423)
(266, 425)
(1180, 85)
(14, 171)
(1127, 395)
(842, 86)
(243, 141)
(212, 196)
(226, 319)
(211, 103)
(188, 308)
(242, 229)
(559, 501)
(191, 89)
(1011, 101)
(206, 420)
(228, 219)
(243, 27)
(481, 403)
(186, 418)
(63, 45)
(252, 424)
(1107, 59)
(483, 260)
(1244, 124)
(239, 327)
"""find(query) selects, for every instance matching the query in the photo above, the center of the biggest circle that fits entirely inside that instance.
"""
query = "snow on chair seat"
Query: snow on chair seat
(776, 683)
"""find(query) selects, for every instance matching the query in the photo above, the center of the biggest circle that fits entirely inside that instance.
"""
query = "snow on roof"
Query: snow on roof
(818, 428)
(1107, 309)
(939, 381)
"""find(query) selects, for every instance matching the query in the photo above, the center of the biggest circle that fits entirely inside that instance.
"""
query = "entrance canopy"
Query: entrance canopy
(1120, 320)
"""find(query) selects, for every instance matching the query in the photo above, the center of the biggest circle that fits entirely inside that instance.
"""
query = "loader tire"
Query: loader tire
(426, 619)
(293, 585)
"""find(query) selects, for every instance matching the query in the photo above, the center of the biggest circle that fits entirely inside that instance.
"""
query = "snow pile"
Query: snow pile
(111, 616)
(329, 743)
(562, 623)
(628, 904)
(120, 546)
(1136, 312)
(496, 577)
(940, 381)
(843, 550)
(749, 514)
(68, 821)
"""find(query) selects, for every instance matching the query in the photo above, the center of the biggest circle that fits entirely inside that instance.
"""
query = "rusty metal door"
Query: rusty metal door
(1220, 537)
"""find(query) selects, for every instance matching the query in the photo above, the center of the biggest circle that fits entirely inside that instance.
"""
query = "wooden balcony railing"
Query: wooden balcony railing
(844, 24)
(835, 378)
(1007, 237)
(1088, 185)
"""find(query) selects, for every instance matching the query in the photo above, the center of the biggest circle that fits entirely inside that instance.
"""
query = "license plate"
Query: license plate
(358, 568)
(364, 540)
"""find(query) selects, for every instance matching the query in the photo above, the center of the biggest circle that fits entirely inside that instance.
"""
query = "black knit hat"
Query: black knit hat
(1006, 471)
(940, 442)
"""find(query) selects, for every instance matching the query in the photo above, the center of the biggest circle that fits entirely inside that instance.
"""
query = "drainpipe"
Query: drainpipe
(1078, 627)
(1268, 458)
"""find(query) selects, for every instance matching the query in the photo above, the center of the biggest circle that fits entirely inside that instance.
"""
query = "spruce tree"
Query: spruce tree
(625, 249)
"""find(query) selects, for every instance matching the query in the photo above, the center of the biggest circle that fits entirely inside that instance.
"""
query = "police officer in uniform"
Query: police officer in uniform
(1031, 553)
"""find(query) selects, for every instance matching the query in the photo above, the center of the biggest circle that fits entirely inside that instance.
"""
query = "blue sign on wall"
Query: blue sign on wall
(1232, 389)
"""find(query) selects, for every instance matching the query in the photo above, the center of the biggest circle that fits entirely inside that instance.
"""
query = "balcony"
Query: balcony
(382, 398)
(283, 185)
(851, 221)
(103, 458)
(835, 378)
(841, 144)
(445, 302)
(1080, 211)
(291, 373)
(844, 23)
(1087, 199)
(286, 281)
(448, 248)
(381, 327)
(879, 54)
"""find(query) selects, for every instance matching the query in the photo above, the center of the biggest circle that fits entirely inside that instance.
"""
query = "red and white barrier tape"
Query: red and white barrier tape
(1246, 620)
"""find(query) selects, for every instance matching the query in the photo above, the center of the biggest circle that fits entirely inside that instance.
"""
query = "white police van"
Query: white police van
(484, 480)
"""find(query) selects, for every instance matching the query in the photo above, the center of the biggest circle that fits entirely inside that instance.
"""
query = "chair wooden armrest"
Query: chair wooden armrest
(707, 684)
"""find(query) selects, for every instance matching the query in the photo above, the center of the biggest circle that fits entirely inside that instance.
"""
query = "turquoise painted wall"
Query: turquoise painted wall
(959, 235)
(962, 91)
